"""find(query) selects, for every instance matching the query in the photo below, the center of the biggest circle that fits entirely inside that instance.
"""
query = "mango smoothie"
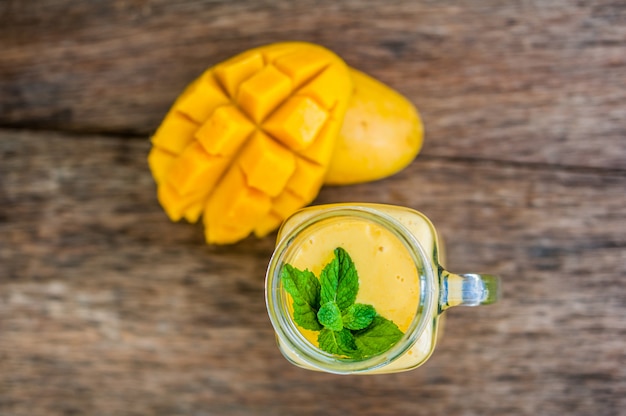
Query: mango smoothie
(394, 252)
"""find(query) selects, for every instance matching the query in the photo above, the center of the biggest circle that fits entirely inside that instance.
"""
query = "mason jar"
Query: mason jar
(397, 255)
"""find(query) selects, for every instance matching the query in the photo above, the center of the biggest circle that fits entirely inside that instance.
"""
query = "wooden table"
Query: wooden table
(107, 308)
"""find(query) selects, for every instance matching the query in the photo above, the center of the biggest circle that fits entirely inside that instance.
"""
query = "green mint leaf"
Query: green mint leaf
(358, 316)
(305, 316)
(339, 280)
(304, 288)
(348, 279)
(329, 315)
(337, 342)
(301, 284)
(329, 279)
(377, 338)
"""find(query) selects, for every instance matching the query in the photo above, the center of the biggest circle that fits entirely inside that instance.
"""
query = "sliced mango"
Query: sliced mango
(203, 97)
(263, 92)
(234, 206)
(160, 161)
(179, 206)
(266, 164)
(267, 224)
(225, 131)
(306, 180)
(286, 204)
(255, 137)
(249, 142)
(175, 133)
(195, 170)
(321, 151)
(297, 122)
(303, 65)
(236, 70)
(327, 88)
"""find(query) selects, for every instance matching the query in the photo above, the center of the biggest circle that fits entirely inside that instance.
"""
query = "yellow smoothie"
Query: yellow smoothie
(389, 279)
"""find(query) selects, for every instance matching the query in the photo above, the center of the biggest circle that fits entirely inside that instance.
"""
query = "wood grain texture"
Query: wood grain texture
(525, 81)
(107, 308)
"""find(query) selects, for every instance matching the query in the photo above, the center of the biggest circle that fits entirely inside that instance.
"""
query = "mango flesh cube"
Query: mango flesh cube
(286, 204)
(297, 122)
(174, 204)
(321, 150)
(307, 180)
(225, 131)
(223, 234)
(193, 212)
(327, 88)
(196, 169)
(159, 161)
(175, 133)
(263, 92)
(279, 49)
(236, 70)
(234, 205)
(203, 97)
(268, 224)
(266, 164)
(302, 65)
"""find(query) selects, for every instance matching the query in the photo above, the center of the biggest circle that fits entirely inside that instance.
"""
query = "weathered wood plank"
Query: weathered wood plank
(108, 308)
(535, 81)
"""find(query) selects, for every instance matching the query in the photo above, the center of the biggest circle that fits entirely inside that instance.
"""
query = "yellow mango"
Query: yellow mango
(195, 170)
(236, 70)
(381, 134)
(175, 133)
(302, 64)
(320, 151)
(160, 161)
(255, 137)
(297, 123)
(249, 142)
(267, 224)
(179, 206)
(260, 94)
(225, 131)
(266, 164)
(306, 180)
(234, 206)
(326, 88)
(201, 99)
(286, 204)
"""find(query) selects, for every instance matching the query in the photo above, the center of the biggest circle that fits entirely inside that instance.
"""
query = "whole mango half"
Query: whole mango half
(255, 137)
(381, 134)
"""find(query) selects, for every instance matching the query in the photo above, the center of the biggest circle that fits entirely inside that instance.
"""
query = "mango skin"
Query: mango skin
(381, 134)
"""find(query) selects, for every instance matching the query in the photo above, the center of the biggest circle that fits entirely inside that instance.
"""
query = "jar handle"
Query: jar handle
(469, 289)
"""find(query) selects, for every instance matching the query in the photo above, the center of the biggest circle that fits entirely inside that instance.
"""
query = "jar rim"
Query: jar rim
(285, 327)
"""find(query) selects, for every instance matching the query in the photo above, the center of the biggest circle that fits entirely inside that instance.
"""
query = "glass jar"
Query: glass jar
(398, 256)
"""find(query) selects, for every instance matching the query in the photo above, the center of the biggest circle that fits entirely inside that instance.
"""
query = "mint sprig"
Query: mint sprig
(349, 329)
